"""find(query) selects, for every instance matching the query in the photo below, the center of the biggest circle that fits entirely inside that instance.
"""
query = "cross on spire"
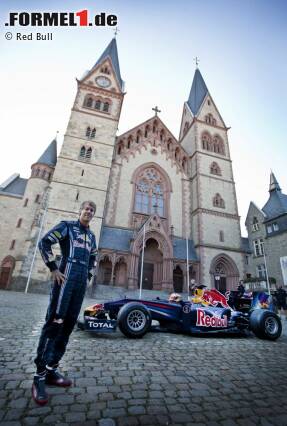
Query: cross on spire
(156, 110)
(116, 31)
(196, 60)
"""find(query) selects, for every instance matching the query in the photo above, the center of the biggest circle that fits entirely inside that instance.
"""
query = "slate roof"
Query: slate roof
(112, 51)
(115, 238)
(49, 156)
(120, 239)
(14, 185)
(179, 249)
(197, 93)
(277, 204)
(245, 245)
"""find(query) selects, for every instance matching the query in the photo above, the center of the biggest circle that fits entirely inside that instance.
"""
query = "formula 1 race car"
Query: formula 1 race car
(208, 311)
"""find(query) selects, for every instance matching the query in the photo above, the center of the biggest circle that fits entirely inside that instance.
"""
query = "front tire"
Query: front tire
(265, 324)
(134, 320)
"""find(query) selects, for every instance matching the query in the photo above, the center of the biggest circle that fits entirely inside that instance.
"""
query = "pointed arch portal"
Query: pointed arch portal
(224, 273)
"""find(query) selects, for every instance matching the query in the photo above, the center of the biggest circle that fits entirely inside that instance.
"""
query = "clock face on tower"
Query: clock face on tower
(103, 81)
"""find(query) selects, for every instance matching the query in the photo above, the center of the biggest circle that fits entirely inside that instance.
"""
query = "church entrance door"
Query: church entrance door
(178, 280)
(148, 276)
(220, 283)
(152, 266)
(6, 271)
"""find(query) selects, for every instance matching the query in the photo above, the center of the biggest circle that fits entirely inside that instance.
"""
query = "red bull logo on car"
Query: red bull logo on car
(211, 297)
(204, 320)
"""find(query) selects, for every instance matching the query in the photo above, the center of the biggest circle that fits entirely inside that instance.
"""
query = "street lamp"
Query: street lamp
(266, 271)
(217, 279)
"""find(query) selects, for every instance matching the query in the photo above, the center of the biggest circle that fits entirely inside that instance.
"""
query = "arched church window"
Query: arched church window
(206, 142)
(138, 137)
(218, 145)
(88, 132)
(98, 104)
(89, 153)
(106, 107)
(221, 236)
(186, 126)
(215, 169)
(119, 149)
(142, 197)
(93, 133)
(88, 102)
(149, 194)
(209, 119)
(83, 152)
(218, 201)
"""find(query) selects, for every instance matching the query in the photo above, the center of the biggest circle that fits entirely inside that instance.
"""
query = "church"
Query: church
(165, 206)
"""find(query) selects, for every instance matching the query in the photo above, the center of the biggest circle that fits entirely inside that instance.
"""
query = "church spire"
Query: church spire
(49, 156)
(274, 185)
(111, 51)
(197, 93)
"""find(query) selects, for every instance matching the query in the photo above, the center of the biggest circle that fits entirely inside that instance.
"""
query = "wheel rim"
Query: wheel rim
(136, 320)
(271, 325)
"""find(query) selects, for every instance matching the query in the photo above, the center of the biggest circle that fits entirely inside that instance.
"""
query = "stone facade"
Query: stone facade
(178, 196)
(267, 231)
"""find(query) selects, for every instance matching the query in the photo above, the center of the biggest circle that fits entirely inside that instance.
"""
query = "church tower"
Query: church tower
(214, 213)
(83, 165)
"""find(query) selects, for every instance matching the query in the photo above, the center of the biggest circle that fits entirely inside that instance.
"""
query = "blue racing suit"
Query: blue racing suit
(79, 251)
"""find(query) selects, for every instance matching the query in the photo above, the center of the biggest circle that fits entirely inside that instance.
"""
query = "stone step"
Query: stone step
(105, 292)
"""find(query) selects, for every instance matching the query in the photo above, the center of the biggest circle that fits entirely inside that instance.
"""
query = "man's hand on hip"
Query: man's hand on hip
(58, 276)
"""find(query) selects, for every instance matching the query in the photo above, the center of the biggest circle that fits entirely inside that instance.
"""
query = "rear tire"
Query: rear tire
(134, 320)
(265, 324)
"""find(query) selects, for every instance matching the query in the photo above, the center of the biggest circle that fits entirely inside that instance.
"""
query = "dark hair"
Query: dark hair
(91, 203)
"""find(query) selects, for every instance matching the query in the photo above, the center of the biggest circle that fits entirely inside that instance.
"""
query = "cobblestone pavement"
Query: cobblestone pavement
(162, 379)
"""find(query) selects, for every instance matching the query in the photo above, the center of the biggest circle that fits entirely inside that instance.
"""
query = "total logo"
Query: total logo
(61, 19)
(93, 324)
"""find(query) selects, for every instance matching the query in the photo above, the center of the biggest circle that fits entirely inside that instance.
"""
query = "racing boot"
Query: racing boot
(54, 378)
(39, 393)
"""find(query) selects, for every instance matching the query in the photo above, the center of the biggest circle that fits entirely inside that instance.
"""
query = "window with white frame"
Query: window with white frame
(255, 224)
(269, 229)
(261, 271)
(258, 246)
(275, 226)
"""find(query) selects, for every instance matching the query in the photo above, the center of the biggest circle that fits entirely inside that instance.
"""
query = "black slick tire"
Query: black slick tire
(134, 320)
(265, 324)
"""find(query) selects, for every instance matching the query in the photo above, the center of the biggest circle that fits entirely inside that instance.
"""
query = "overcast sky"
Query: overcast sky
(242, 50)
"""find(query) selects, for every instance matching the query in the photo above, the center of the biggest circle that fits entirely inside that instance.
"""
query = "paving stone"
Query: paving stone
(94, 414)
(18, 403)
(75, 417)
(30, 421)
(118, 403)
(136, 410)
(62, 399)
(127, 421)
(52, 419)
(114, 412)
(106, 422)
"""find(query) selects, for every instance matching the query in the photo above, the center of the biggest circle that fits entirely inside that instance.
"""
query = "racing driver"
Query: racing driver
(78, 249)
